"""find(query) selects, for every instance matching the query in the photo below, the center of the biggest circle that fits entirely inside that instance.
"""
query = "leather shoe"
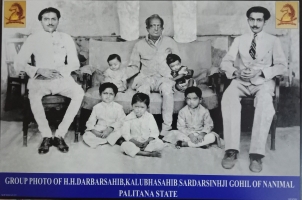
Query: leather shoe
(255, 164)
(60, 144)
(229, 159)
(44, 147)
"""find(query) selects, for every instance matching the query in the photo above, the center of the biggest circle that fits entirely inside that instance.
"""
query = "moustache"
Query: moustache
(255, 27)
(50, 25)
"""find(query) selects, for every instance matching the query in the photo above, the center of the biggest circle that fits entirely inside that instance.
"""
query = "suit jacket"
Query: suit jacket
(270, 58)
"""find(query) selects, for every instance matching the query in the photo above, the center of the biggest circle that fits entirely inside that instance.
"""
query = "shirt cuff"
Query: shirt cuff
(31, 71)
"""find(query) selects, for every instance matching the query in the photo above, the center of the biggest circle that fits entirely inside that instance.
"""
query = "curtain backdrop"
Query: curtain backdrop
(184, 17)
(128, 12)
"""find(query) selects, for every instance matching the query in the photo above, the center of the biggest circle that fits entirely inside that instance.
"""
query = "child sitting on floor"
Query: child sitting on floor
(181, 74)
(140, 130)
(115, 73)
(194, 123)
(106, 119)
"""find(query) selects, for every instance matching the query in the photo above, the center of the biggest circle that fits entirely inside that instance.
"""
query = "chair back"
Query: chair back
(12, 47)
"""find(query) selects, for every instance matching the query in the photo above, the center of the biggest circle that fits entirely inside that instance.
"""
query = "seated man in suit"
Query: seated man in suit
(261, 59)
(51, 75)
(149, 59)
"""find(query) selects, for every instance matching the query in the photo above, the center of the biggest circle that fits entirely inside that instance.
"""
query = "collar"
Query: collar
(194, 110)
(48, 34)
(107, 104)
(151, 41)
(143, 116)
(259, 35)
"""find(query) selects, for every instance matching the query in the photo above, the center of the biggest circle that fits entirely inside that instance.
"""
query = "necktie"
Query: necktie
(252, 50)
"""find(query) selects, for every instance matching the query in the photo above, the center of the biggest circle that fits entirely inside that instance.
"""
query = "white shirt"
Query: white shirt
(141, 128)
(118, 77)
(194, 120)
(268, 52)
(50, 51)
(106, 115)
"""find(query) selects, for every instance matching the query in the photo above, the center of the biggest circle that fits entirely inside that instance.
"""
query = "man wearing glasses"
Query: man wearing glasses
(260, 59)
(149, 59)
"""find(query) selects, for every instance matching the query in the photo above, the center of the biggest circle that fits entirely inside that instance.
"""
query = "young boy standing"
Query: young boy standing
(106, 119)
(140, 130)
(194, 123)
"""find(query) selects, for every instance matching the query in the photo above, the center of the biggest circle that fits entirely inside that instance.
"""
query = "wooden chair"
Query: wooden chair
(221, 84)
(55, 105)
(13, 47)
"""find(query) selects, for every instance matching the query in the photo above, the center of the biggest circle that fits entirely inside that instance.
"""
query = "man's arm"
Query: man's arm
(227, 63)
(134, 64)
(279, 62)
(21, 61)
(73, 62)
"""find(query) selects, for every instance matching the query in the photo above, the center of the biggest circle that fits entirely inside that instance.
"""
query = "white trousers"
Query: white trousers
(175, 135)
(131, 149)
(231, 113)
(165, 87)
(93, 141)
(63, 86)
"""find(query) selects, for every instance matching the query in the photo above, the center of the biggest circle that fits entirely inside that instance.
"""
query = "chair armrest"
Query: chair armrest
(23, 80)
(219, 82)
(87, 81)
(277, 87)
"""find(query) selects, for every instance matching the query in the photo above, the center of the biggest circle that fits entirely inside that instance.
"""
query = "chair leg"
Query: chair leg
(26, 120)
(25, 127)
(76, 128)
(8, 103)
(25, 131)
(273, 132)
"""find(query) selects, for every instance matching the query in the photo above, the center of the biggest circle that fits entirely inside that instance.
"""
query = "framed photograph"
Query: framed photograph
(150, 99)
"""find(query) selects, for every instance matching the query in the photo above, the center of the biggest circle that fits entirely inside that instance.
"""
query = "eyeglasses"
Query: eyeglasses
(156, 26)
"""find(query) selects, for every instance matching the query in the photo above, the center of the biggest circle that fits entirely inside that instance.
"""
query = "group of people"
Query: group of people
(157, 65)
(138, 133)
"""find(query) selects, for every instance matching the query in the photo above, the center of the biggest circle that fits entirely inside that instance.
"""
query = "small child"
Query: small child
(140, 130)
(115, 73)
(106, 119)
(181, 74)
(194, 123)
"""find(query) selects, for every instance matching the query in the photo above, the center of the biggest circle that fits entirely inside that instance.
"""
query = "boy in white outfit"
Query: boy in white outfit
(106, 119)
(194, 123)
(140, 130)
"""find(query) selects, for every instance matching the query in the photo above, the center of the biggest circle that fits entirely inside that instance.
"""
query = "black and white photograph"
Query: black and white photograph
(150, 87)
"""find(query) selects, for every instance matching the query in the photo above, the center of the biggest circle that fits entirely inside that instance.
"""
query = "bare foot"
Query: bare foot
(155, 154)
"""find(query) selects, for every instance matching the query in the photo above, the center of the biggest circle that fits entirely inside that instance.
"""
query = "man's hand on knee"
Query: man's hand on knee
(49, 73)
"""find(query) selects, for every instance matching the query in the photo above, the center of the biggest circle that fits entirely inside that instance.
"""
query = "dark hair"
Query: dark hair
(155, 16)
(171, 58)
(140, 97)
(195, 90)
(104, 86)
(48, 10)
(259, 9)
(113, 56)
